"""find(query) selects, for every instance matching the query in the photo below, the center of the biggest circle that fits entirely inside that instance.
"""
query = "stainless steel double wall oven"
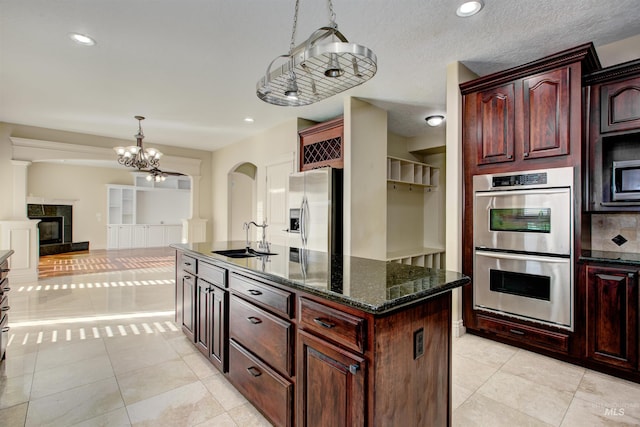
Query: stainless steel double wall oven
(523, 245)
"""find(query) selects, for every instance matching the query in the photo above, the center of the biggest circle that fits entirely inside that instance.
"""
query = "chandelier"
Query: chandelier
(136, 156)
(322, 66)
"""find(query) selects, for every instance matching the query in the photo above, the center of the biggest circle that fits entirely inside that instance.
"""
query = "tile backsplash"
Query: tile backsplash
(605, 227)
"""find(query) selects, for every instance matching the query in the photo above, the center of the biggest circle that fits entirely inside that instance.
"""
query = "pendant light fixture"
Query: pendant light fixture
(136, 156)
(322, 66)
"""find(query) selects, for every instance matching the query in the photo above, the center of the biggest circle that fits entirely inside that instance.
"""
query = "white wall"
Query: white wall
(365, 180)
(162, 206)
(241, 206)
(268, 147)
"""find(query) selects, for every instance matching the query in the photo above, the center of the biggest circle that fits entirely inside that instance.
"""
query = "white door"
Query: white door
(276, 209)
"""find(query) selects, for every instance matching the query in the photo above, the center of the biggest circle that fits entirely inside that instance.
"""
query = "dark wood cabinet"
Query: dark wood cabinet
(329, 377)
(219, 326)
(322, 145)
(613, 131)
(495, 124)
(612, 315)
(4, 306)
(547, 108)
(188, 284)
(620, 105)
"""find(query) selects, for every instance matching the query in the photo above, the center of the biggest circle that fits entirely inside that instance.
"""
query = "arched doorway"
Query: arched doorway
(241, 199)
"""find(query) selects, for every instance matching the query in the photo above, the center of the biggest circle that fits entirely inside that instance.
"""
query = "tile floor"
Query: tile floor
(102, 350)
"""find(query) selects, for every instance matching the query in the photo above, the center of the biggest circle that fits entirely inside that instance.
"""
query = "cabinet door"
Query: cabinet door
(112, 237)
(329, 377)
(496, 125)
(546, 114)
(125, 235)
(219, 327)
(155, 236)
(139, 236)
(620, 106)
(188, 300)
(203, 316)
(612, 315)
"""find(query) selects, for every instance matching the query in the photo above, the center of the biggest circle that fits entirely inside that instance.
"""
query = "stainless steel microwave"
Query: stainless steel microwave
(625, 180)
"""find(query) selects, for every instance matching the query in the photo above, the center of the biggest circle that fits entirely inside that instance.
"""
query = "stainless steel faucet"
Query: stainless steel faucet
(262, 244)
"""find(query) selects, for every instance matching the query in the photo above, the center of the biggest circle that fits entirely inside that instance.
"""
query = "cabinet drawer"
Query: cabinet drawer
(4, 286)
(533, 336)
(4, 305)
(333, 324)
(266, 335)
(264, 388)
(272, 298)
(189, 264)
(212, 274)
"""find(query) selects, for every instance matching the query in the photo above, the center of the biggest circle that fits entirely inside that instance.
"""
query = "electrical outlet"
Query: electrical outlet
(418, 343)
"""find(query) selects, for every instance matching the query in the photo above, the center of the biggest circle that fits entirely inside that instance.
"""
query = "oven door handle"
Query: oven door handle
(523, 257)
(492, 193)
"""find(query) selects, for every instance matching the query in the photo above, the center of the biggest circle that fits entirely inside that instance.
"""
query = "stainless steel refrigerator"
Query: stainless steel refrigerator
(315, 210)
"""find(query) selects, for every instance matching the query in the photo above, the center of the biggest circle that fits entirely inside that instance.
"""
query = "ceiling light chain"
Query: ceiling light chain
(322, 66)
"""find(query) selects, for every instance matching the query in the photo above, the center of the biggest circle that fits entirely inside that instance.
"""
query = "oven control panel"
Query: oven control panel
(539, 178)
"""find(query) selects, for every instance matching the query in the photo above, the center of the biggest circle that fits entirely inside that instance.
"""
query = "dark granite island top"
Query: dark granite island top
(609, 257)
(372, 286)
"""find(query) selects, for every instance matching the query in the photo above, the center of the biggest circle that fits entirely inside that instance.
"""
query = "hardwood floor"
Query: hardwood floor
(101, 260)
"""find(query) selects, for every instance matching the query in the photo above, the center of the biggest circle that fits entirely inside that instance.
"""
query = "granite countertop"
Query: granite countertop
(4, 254)
(620, 258)
(372, 286)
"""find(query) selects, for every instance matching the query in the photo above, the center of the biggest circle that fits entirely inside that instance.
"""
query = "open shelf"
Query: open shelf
(421, 257)
(413, 173)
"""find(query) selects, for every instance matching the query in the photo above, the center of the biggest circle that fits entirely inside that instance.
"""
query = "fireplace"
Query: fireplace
(50, 229)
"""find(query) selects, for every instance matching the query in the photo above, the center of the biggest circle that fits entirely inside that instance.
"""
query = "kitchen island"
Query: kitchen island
(313, 339)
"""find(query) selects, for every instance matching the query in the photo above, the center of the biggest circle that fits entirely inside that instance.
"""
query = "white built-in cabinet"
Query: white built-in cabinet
(409, 184)
(147, 214)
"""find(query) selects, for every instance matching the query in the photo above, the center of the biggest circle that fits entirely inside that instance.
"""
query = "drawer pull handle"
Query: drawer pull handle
(254, 371)
(324, 324)
(187, 263)
(515, 331)
(254, 292)
(7, 289)
(5, 308)
(5, 329)
(187, 277)
(254, 320)
(4, 270)
(354, 368)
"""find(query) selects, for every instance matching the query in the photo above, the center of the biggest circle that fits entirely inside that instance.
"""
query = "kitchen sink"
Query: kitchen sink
(242, 253)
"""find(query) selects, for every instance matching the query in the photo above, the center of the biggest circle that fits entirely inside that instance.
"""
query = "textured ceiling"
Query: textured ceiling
(191, 66)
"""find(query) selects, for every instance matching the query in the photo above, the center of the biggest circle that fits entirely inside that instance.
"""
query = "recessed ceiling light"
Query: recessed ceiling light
(248, 119)
(82, 39)
(469, 8)
(435, 120)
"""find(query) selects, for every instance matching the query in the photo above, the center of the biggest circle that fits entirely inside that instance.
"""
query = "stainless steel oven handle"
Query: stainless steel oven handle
(530, 192)
(523, 257)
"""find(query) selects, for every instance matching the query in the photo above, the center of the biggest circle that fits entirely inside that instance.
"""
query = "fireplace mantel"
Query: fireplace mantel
(32, 200)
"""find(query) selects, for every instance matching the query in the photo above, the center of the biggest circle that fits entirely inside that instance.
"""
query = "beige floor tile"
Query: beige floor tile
(540, 369)
(64, 353)
(224, 392)
(138, 357)
(16, 365)
(222, 420)
(610, 392)
(72, 375)
(248, 416)
(15, 390)
(459, 395)
(182, 345)
(13, 416)
(536, 400)
(115, 418)
(76, 405)
(482, 350)
(185, 406)
(481, 411)
(153, 380)
(583, 413)
(200, 365)
(469, 373)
